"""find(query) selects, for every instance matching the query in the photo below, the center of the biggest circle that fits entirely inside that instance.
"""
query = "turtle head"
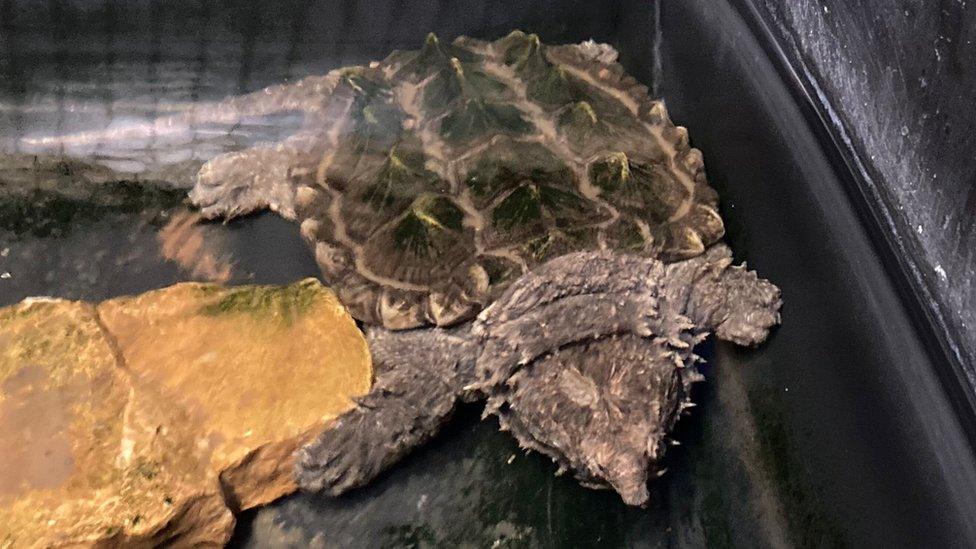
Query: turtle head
(749, 307)
(726, 299)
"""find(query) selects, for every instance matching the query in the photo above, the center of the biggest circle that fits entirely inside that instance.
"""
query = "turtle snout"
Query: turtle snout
(628, 476)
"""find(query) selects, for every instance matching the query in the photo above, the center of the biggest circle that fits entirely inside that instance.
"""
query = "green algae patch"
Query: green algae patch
(27, 308)
(284, 302)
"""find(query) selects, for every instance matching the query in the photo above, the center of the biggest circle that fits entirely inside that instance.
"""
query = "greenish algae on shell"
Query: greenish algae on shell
(429, 181)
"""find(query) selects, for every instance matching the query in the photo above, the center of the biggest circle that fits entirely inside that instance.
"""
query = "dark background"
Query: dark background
(844, 429)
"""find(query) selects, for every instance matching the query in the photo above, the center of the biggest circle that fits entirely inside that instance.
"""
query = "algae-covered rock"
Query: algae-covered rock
(152, 419)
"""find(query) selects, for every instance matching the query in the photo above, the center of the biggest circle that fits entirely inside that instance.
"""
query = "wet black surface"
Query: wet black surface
(834, 433)
(866, 410)
(897, 80)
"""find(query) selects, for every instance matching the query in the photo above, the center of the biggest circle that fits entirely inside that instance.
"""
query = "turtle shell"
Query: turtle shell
(449, 171)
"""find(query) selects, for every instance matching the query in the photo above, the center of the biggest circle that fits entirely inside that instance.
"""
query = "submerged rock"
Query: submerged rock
(153, 419)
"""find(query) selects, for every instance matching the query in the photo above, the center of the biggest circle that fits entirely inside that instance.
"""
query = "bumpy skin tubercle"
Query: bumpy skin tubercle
(588, 359)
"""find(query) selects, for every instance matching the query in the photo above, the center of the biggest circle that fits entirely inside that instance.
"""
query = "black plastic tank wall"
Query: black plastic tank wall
(896, 83)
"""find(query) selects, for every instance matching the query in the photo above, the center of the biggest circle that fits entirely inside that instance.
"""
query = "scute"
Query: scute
(454, 169)
(433, 56)
(626, 235)
(422, 245)
(643, 189)
(375, 120)
(505, 164)
(399, 309)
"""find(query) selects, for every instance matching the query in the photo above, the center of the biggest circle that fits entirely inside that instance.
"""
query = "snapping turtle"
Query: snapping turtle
(538, 181)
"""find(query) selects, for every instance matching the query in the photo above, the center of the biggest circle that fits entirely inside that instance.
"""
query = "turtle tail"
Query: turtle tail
(420, 376)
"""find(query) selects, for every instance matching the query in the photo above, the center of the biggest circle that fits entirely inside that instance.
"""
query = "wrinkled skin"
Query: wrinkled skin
(587, 359)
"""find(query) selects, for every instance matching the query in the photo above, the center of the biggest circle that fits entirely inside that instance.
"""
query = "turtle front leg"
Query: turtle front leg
(267, 176)
(420, 375)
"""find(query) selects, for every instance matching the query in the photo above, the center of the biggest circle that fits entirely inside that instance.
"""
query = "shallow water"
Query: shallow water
(472, 485)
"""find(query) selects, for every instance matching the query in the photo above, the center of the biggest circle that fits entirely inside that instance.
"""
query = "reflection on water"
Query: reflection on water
(185, 241)
(65, 91)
